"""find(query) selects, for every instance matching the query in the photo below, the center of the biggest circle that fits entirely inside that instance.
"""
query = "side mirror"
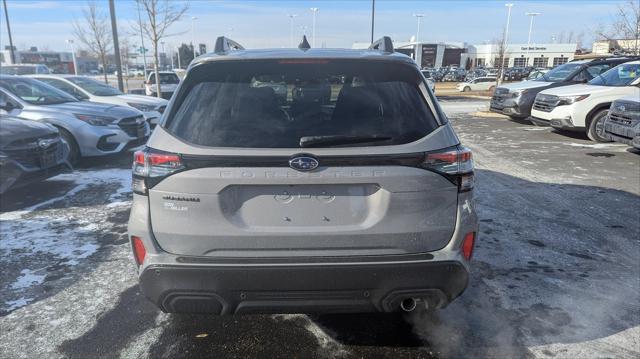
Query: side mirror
(7, 106)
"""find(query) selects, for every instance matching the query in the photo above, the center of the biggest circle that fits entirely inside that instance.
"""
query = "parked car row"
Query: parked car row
(577, 96)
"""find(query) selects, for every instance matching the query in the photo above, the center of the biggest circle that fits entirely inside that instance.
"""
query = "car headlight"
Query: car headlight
(141, 106)
(568, 100)
(95, 120)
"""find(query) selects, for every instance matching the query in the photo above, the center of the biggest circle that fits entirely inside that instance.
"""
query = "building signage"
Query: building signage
(524, 48)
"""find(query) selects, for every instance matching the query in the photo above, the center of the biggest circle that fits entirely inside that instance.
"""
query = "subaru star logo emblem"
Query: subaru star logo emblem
(621, 108)
(303, 163)
(44, 143)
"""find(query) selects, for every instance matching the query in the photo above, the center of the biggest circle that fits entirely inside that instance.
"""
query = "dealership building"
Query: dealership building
(519, 55)
(443, 54)
(428, 54)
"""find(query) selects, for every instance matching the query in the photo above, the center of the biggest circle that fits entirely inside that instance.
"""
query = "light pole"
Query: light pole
(531, 16)
(73, 56)
(291, 21)
(373, 17)
(419, 17)
(505, 41)
(193, 35)
(313, 29)
(143, 51)
(165, 55)
(179, 64)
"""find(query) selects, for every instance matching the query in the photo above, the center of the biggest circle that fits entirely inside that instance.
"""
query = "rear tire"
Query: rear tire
(595, 131)
(466, 89)
(74, 150)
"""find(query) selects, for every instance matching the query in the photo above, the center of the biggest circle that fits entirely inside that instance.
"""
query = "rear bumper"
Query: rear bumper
(302, 288)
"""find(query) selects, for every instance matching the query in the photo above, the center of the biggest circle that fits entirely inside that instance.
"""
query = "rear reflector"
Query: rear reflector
(138, 249)
(467, 245)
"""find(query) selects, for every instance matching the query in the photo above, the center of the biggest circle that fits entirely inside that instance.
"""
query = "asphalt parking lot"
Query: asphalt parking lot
(555, 273)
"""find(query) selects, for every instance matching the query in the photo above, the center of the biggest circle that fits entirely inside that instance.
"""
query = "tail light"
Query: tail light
(467, 245)
(149, 167)
(455, 164)
(139, 253)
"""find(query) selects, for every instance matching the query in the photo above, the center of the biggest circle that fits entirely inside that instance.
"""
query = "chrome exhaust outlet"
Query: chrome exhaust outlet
(408, 304)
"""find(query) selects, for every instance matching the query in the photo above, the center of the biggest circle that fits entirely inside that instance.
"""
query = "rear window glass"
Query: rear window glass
(275, 104)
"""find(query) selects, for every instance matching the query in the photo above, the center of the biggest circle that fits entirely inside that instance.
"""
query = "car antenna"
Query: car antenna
(304, 44)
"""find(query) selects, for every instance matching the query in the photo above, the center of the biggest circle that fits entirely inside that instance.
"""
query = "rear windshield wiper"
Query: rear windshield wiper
(336, 140)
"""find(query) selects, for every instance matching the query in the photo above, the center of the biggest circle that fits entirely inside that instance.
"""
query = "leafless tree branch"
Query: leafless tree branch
(95, 33)
(161, 14)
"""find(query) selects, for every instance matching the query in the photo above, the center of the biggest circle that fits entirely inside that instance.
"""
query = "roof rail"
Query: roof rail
(383, 44)
(225, 44)
(304, 44)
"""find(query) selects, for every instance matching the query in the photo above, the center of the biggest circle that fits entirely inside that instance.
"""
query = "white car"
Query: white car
(478, 84)
(169, 82)
(430, 81)
(88, 89)
(584, 107)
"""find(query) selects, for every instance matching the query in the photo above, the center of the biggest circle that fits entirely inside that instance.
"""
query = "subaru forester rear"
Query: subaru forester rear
(348, 192)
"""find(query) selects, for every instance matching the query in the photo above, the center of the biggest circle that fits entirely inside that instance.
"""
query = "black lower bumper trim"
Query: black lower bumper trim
(319, 288)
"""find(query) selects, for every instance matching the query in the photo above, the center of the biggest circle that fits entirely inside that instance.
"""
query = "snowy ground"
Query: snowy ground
(555, 273)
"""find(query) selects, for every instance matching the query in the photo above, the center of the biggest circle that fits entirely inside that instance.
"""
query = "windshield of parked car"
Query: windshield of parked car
(621, 75)
(165, 79)
(94, 87)
(560, 73)
(34, 91)
(302, 103)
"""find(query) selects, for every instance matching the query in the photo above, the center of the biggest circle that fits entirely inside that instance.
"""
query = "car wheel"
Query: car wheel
(595, 132)
(466, 89)
(74, 150)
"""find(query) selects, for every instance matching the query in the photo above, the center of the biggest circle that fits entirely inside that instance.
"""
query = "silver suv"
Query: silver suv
(352, 195)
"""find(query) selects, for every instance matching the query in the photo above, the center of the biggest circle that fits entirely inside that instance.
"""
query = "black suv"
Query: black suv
(515, 100)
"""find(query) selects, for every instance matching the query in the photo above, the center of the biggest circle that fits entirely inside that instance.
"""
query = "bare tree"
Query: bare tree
(95, 33)
(625, 25)
(499, 62)
(161, 14)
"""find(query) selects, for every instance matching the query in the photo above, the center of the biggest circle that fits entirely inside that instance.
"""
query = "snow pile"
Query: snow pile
(61, 231)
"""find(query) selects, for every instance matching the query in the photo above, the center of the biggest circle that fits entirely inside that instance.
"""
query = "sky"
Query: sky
(47, 24)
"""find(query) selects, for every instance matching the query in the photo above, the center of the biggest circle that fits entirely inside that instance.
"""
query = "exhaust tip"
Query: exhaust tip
(408, 304)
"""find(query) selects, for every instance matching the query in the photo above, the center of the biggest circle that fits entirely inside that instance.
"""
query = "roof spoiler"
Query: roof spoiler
(225, 44)
(304, 44)
(383, 44)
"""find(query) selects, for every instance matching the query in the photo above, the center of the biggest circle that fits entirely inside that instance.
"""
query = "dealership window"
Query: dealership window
(560, 60)
(505, 62)
(480, 62)
(520, 62)
(540, 61)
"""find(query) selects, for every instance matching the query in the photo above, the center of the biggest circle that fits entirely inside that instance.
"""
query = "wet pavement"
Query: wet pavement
(555, 272)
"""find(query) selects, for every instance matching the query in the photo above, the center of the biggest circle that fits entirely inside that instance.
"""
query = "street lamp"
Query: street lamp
(165, 55)
(419, 17)
(531, 15)
(73, 56)
(193, 35)
(504, 41)
(313, 31)
(291, 17)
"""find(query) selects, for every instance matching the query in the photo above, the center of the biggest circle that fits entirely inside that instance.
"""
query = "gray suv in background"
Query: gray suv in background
(90, 129)
(353, 195)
